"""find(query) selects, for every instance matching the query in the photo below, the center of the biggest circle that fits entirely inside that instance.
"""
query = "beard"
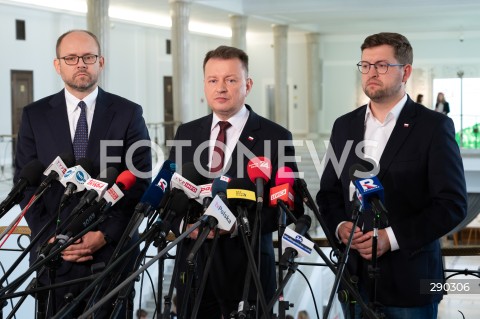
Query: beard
(383, 93)
(83, 83)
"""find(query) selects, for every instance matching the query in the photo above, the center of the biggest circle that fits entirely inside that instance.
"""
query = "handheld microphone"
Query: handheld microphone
(189, 181)
(96, 188)
(369, 190)
(56, 169)
(155, 192)
(124, 182)
(75, 177)
(259, 170)
(295, 242)
(30, 175)
(284, 180)
(241, 192)
(218, 212)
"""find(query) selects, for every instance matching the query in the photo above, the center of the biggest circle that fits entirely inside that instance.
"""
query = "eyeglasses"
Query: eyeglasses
(73, 59)
(380, 67)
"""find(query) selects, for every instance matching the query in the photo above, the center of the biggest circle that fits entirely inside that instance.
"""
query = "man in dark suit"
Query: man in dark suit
(226, 85)
(413, 152)
(49, 127)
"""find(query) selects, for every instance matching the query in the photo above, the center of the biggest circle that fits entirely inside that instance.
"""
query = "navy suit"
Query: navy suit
(422, 174)
(227, 275)
(44, 134)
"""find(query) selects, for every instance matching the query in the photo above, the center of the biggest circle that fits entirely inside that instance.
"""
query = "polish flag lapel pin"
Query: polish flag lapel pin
(250, 138)
(406, 124)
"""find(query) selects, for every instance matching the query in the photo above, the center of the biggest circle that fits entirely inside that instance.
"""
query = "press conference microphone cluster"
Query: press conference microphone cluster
(88, 216)
(30, 175)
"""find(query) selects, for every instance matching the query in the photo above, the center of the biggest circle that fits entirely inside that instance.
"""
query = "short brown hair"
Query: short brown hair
(60, 38)
(402, 49)
(226, 53)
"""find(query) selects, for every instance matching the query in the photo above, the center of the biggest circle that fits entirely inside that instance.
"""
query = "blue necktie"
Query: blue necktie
(80, 141)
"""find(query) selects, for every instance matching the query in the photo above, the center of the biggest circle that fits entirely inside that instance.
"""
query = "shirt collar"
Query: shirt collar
(72, 101)
(394, 112)
(237, 120)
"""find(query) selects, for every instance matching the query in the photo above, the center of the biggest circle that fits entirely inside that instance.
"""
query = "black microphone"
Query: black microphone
(96, 188)
(29, 176)
(301, 228)
(75, 178)
(56, 170)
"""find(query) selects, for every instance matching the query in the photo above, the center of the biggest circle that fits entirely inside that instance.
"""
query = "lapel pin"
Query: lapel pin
(250, 138)
(406, 125)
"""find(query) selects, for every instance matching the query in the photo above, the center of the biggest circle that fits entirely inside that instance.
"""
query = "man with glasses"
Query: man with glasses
(77, 120)
(413, 153)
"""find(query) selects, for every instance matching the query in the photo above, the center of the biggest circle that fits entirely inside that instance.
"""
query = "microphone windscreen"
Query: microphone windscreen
(126, 180)
(179, 202)
(86, 164)
(68, 159)
(259, 167)
(303, 224)
(285, 175)
(108, 176)
(32, 172)
(219, 185)
(356, 168)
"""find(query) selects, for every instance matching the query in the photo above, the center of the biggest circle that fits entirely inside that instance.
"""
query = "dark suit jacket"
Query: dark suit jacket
(44, 134)
(230, 259)
(422, 174)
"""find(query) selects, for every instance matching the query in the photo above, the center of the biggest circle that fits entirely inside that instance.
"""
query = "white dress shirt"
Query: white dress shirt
(73, 111)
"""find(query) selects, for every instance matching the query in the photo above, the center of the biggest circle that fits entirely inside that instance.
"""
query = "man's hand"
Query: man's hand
(365, 247)
(194, 234)
(83, 249)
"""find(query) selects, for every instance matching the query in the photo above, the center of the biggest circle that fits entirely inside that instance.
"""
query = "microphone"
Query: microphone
(75, 177)
(295, 242)
(259, 170)
(189, 181)
(284, 179)
(301, 187)
(155, 192)
(241, 193)
(369, 190)
(218, 212)
(56, 169)
(96, 188)
(123, 182)
(30, 175)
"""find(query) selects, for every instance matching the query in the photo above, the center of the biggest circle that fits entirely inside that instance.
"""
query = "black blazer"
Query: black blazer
(422, 174)
(44, 134)
(230, 259)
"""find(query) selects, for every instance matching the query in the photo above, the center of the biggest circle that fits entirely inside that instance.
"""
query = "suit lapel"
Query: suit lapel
(403, 127)
(248, 137)
(102, 118)
(57, 119)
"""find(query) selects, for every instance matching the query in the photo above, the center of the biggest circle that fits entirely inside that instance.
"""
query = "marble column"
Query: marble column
(98, 22)
(280, 69)
(239, 31)
(180, 13)
(314, 83)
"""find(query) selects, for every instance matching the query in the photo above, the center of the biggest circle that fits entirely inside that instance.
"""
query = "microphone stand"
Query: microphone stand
(130, 278)
(252, 270)
(373, 269)
(283, 305)
(367, 312)
(343, 260)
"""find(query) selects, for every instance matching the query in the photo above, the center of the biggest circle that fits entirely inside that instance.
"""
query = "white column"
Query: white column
(314, 83)
(98, 23)
(280, 70)
(239, 31)
(180, 13)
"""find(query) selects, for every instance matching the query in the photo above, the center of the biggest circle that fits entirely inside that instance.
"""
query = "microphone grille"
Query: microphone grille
(32, 172)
